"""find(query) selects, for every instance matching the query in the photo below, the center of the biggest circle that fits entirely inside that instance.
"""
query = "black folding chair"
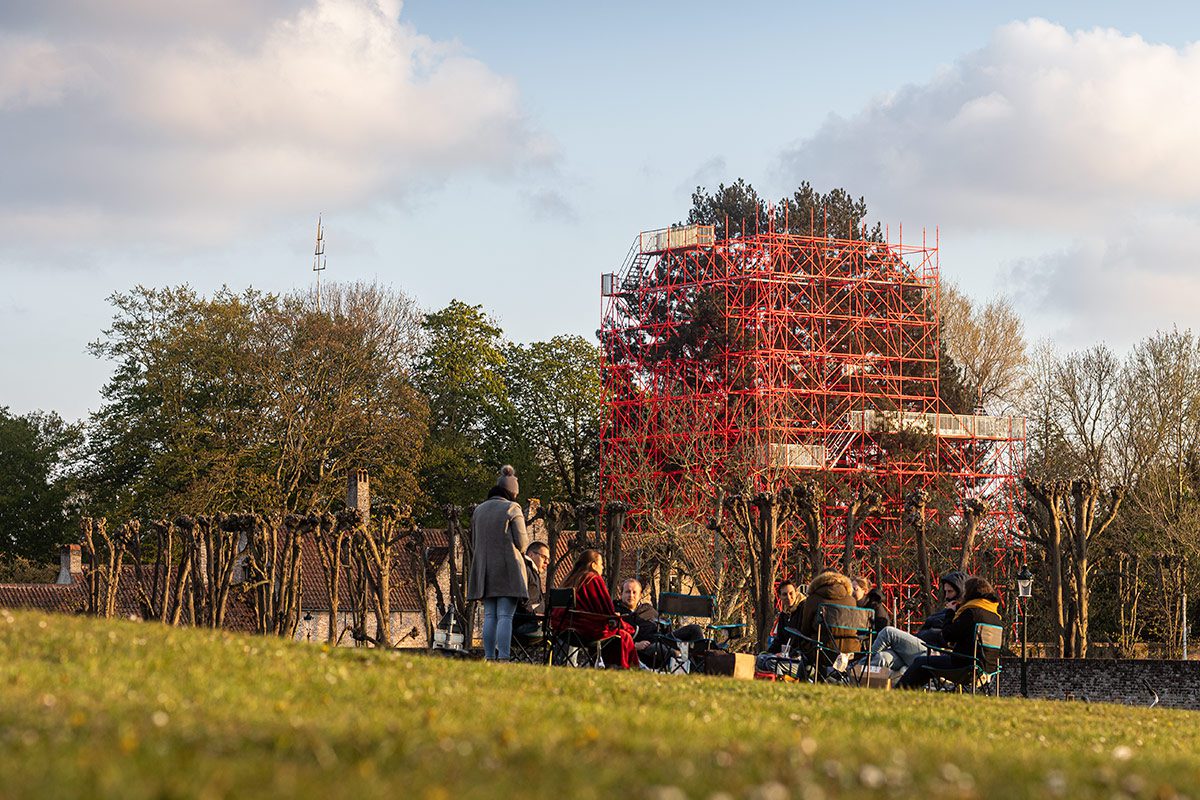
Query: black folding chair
(975, 674)
(531, 638)
(836, 622)
(567, 645)
(673, 606)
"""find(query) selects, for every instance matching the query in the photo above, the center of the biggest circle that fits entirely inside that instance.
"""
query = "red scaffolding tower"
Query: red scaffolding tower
(775, 357)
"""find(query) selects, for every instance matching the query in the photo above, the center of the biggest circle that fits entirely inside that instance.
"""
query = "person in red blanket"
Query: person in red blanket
(596, 621)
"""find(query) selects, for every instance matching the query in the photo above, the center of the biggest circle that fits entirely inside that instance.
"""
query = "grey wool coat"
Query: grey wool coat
(498, 569)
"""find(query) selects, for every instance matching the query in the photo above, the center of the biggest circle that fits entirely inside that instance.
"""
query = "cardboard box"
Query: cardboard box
(873, 677)
(736, 665)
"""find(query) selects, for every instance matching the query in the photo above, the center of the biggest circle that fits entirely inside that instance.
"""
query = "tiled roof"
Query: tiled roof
(694, 554)
(65, 598)
(405, 595)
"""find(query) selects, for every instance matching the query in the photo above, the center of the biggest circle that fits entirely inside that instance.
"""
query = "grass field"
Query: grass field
(119, 709)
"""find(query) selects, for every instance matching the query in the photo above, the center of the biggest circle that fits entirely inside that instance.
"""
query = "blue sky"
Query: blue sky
(507, 153)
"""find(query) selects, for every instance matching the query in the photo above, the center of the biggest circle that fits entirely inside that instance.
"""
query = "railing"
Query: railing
(951, 426)
(676, 238)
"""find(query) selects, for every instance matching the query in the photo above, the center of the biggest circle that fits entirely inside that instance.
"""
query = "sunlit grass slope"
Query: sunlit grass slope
(120, 709)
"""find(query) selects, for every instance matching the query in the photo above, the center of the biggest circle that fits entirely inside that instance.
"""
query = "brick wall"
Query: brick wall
(1107, 680)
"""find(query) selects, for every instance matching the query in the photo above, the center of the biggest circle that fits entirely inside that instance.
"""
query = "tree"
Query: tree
(36, 483)
(988, 344)
(557, 403)
(460, 371)
(254, 400)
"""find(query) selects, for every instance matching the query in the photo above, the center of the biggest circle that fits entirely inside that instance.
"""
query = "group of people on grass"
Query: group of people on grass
(509, 571)
(508, 575)
(946, 640)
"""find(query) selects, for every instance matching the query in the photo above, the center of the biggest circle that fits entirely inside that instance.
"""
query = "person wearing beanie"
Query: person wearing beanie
(498, 576)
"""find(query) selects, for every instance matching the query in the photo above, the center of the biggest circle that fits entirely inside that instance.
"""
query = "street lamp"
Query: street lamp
(1024, 592)
(308, 618)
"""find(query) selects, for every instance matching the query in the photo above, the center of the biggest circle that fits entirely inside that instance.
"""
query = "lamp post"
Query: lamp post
(308, 619)
(1024, 592)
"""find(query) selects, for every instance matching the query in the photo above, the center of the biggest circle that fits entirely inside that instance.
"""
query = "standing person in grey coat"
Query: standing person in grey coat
(498, 570)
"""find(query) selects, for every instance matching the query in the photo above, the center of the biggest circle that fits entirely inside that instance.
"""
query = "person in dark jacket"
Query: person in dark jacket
(537, 557)
(828, 587)
(654, 642)
(529, 611)
(897, 649)
(952, 585)
(870, 597)
(980, 606)
(498, 575)
(790, 603)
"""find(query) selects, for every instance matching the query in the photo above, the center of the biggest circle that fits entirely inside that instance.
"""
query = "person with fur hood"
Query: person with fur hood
(980, 606)
(828, 587)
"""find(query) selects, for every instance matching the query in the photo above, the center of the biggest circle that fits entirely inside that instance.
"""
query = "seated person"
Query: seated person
(868, 596)
(594, 613)
(828, 587)
(530, 610)
(790, 601)
(896, 649)
(952, 585)
(654, 643)
(980, 606)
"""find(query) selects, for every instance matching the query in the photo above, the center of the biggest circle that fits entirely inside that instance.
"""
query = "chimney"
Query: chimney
(358, 492)
(70, 562)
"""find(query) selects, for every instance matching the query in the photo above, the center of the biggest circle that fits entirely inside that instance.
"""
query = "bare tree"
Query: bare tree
(1045, 518)
(974, 511)
(104, 558)
(273, 569)
(915, 513)
(864, 503)
(988, 344)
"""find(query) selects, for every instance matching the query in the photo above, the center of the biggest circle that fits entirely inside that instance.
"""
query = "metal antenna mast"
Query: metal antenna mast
(319, 259)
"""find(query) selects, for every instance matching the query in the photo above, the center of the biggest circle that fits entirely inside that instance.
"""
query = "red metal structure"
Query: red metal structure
(776, 358)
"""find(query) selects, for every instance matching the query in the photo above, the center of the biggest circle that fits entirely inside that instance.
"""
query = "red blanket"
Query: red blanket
(594, 619)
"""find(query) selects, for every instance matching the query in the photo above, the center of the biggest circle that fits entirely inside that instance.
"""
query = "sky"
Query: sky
(507, 154)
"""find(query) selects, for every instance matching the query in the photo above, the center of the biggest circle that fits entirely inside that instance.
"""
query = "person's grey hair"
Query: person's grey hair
(628, 581)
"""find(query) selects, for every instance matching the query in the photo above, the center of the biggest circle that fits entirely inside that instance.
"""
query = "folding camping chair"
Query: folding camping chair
(975, 675)
(531, 638)
(836, 622)
(567, 645)
(674, 605)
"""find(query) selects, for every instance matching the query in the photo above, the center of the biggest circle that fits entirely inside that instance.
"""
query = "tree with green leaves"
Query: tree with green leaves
(36, 483)
(557, 403)
(254, 400)
(461, 372)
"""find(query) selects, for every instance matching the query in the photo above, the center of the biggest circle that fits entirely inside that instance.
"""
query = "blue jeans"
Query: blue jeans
(497, 627)
(896, 649)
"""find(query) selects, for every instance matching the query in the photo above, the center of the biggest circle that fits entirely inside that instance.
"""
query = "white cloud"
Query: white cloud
(189, 131)
(1086, 137)
(1139, 279)
(1043, 126)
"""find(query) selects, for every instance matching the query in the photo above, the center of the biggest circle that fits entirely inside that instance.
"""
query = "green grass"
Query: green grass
(119, 709)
